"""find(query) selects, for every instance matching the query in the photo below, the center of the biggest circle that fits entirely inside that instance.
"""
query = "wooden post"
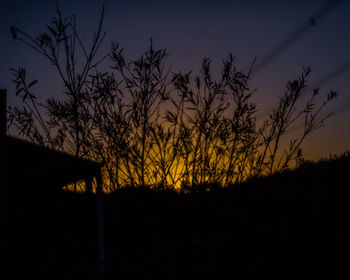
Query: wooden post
(3, 113)
(100, 228)
(3, 190)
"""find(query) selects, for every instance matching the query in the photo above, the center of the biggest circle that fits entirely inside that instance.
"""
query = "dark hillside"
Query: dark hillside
(286, 223)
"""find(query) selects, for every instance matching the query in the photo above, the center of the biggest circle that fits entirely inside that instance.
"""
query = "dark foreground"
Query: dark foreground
(295, 223)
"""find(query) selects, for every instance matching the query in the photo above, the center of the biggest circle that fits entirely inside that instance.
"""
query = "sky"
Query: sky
(191, 30)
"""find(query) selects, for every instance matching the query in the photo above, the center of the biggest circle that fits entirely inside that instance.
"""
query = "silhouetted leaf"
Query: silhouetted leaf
(32, 83)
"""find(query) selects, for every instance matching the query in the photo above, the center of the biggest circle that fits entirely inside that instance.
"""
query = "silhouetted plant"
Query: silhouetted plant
(144, 83)
(153, 129)
(74, 62)
(283, 117)
(213, 119)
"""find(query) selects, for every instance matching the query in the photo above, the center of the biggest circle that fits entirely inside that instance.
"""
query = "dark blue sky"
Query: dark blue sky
(193, 29)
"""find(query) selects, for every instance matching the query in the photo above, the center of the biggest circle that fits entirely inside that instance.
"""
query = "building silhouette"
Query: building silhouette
(46, 231)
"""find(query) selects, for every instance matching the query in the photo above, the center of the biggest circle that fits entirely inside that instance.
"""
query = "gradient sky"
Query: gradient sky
(190, 30)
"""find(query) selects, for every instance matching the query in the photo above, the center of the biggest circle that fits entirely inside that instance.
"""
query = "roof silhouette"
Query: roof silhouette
(34, 165)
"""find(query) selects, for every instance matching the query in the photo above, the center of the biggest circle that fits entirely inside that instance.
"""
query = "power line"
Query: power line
(312, 21)
(332, 75)
(204, 30)
(323, 80)
(338, 110)
(345, 67)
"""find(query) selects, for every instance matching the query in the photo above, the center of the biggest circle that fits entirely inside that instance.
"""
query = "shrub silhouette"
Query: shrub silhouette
(153, 128)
